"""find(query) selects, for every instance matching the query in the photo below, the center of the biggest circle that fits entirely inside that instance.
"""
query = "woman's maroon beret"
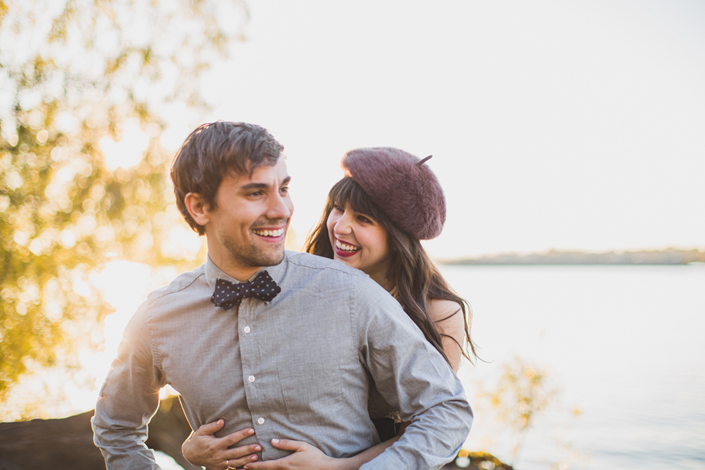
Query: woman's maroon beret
(402, 185)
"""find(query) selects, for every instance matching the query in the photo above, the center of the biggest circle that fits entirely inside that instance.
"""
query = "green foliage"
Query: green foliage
(72, 74)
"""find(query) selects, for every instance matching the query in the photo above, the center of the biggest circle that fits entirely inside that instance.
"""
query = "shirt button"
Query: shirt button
(251, 378)
(260, 421)
(246, 329)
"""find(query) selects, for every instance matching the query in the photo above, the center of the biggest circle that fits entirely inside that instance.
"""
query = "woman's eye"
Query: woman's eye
(364, 219)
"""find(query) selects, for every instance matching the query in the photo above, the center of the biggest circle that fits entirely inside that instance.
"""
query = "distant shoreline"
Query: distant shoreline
(558, 257)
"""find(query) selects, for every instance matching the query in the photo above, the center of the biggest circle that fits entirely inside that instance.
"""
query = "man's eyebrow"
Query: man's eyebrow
(250, 186)
(256, 185)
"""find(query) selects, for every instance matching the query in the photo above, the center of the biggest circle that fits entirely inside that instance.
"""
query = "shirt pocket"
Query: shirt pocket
(312, 391)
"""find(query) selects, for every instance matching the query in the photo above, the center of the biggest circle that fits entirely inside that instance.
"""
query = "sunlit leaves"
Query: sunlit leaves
(522, 391)
(76, 75)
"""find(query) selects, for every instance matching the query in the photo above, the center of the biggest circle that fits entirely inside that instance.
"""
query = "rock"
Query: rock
(68, 443)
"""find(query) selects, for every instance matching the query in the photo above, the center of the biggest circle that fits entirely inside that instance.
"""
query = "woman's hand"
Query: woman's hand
(305, 457)
(204, 449)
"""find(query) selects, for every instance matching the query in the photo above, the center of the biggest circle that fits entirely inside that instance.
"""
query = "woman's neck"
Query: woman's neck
(385, 282)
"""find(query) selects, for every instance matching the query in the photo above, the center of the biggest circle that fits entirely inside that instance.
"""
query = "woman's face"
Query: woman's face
(360, 242)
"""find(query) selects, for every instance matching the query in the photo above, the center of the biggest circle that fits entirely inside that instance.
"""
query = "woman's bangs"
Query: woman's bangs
(347, 191)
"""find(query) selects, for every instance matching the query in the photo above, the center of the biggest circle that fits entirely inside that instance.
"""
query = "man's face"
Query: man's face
(247, 227)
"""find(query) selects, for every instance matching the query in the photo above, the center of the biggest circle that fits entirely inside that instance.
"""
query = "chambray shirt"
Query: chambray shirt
(299, 367)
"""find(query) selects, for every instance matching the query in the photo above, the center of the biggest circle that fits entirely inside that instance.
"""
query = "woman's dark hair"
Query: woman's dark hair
(415, 275)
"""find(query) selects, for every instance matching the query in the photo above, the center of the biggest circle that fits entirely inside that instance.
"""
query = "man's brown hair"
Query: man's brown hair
(213, 150)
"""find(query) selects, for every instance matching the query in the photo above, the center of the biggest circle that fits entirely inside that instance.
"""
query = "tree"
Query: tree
(522, 391)
(76, 76)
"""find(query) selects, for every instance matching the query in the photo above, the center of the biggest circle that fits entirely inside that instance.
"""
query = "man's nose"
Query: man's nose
(280, 207)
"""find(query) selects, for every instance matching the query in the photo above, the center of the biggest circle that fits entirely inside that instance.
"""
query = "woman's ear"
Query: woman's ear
(197, 207)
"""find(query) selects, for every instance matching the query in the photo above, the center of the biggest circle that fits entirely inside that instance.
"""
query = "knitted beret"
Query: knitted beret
(402, 185)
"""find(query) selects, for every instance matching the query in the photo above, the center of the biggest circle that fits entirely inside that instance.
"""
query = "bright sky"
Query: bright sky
(570, 125)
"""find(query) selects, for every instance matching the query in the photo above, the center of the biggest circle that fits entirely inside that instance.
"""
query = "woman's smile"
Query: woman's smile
(345, 249)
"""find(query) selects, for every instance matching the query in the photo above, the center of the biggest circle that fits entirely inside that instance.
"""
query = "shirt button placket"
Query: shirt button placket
(248, 352)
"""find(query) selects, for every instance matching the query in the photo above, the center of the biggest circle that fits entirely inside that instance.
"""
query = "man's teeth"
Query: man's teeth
(345, 247)
(269, 233)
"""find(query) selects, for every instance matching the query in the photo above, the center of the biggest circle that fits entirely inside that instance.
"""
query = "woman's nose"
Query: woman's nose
(342, 226)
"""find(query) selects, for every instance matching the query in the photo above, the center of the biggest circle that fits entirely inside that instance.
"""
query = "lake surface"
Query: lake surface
(624, 345)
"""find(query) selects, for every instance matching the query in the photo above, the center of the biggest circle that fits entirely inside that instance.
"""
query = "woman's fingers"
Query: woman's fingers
(241, 452)
(204, 449)
(239, 456)
(237, 436)
(288, 444)
(210, 428)
(242, 461)
(304, 457)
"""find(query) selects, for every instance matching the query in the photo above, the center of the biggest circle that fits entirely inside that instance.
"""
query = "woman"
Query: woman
(374, 220)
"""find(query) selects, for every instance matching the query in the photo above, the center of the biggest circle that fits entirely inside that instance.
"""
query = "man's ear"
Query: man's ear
(197, 207)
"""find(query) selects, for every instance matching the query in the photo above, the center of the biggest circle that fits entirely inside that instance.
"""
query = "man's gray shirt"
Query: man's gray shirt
(298, 367)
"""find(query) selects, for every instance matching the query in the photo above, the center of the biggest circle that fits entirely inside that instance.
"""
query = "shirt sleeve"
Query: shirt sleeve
(414, 379)
(128, 400)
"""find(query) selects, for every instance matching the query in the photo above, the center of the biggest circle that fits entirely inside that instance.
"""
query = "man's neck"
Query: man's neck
(234, 270)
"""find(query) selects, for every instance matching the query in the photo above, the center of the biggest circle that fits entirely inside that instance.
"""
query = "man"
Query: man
(293, 351)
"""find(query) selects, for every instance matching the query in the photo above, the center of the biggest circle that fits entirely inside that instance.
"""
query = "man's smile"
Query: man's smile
(269, 233)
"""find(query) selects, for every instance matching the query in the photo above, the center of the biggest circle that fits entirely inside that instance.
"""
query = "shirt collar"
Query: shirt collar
(213, 272)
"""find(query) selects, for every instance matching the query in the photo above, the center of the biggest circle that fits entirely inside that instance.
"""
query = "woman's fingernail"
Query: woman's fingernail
(275, 441)
(250, 431)
(258, 448)
(253, 458)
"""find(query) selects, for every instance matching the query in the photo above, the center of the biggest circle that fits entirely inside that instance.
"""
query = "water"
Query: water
(623, 343)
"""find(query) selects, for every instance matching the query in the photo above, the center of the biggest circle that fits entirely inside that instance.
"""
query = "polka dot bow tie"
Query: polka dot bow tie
(228, 294)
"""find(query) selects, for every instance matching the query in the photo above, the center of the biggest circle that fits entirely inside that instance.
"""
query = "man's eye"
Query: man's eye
(256, 193)
(284, 190)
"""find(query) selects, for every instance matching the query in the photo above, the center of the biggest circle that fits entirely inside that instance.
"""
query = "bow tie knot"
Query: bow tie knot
(228, 294)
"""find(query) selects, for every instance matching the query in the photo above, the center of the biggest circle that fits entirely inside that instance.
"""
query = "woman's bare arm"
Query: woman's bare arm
(449, 319)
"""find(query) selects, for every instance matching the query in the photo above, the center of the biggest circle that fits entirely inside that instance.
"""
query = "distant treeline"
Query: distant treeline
(579, 257)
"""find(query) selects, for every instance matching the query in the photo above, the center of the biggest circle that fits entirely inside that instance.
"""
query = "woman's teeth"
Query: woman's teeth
(269, 233)
(345, 246)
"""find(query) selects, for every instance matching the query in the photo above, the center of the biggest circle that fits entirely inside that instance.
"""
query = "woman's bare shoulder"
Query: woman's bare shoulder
(442, 310)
